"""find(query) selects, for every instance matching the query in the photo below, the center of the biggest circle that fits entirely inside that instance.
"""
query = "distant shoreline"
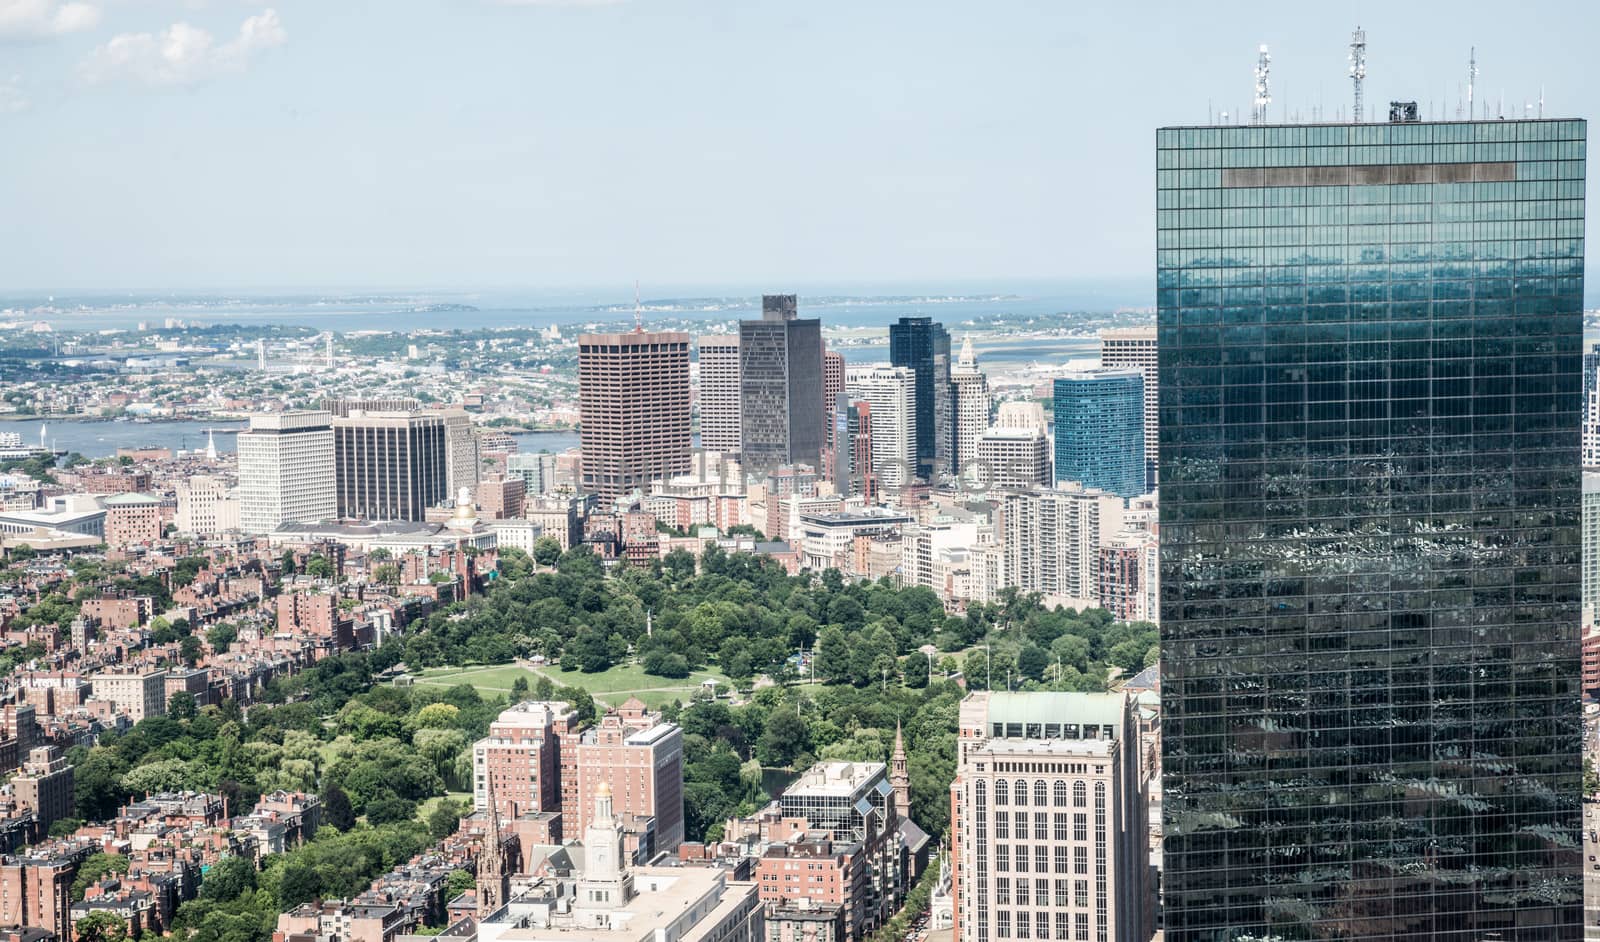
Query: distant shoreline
(97, 419)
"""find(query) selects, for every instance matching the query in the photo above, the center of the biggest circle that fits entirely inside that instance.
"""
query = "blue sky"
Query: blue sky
(198, 144)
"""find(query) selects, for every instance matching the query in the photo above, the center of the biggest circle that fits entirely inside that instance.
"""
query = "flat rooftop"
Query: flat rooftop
(834, 778)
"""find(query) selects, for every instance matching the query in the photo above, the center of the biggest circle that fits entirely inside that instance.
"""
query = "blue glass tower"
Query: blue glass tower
(1099, 419)
(1370, 357)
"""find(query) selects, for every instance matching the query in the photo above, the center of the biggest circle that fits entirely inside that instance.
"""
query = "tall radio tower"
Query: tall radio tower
(1263, 86)
(1358, 67)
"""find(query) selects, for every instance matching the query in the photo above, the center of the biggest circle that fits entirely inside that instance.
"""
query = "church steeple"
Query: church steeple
(494, 879)
(899, 778)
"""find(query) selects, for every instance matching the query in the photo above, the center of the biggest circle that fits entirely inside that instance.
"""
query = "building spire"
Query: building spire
(494, 883)
(967, 360)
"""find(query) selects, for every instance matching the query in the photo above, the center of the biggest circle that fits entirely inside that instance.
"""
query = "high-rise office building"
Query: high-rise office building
(1135, 347)
(970, 405)
(1370, 348)
(923, 346)
(832, 386)
(852, 471)
(1100, 430)
(1010, 459)
(1048, 825)
(390, 465)
(462, 462)
(633, 400)
(891, 393)
(286, 470)
(781, 417)
(719, 393)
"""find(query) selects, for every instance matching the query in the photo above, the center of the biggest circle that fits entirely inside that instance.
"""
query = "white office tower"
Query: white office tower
(460, 450)
(719, 393)
(891, 391)
(972, 404)
(286, 470)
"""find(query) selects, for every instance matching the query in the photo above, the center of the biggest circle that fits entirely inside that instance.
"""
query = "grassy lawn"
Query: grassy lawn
(488, 680)
(462, 799)
(611, 687)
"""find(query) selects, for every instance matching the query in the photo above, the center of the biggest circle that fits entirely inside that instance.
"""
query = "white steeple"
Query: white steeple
(606, 883)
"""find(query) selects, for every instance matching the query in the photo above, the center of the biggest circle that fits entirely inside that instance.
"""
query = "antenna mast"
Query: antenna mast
(638, 312)
(1472, 76)
(1263, 86)
(1358, 67)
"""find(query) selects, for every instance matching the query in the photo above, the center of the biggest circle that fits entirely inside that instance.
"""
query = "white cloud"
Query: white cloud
(12, 97)
(182, 54)
(29, 19)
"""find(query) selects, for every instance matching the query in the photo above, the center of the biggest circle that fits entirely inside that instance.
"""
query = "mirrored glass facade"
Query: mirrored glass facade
(1370, 343)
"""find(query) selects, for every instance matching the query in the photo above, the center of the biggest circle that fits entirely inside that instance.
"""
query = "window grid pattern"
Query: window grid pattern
(1370, 522)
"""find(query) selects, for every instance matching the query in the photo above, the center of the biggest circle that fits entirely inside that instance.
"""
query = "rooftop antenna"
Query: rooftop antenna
(1358, 66)
(1263, 86)
(638, 314)
(1472, 76)
(1541, 101)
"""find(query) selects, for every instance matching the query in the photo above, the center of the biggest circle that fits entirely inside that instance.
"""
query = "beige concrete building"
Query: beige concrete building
(1010, 459)
(207, 506)
(633, 395)
(719, 393)
(1052, 540)
(45, 785)
(137, 694)
(461, 457)
(1049, 819)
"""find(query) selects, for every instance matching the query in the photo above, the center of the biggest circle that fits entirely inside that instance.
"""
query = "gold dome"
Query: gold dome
(603, 790)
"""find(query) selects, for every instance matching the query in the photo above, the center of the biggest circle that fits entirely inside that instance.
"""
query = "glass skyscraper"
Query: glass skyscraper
(1099, 421)
(923, 346)
(1370, 360)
